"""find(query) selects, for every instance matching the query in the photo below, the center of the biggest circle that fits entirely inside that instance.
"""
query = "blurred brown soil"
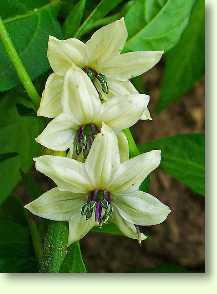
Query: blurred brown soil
(180, 239)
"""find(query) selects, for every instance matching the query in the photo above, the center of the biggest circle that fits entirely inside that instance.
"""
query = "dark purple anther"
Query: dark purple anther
(80, 134)
(98, 212)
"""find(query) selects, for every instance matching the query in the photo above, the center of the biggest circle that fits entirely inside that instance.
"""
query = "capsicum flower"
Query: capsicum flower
(100, 190)
(100, 57)
(83, 116)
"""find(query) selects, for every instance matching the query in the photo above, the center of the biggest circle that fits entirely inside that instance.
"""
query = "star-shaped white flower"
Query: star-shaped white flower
(100, 58)
(99, 190)
(84, 113)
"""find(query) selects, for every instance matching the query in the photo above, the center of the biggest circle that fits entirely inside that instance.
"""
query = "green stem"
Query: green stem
(18, 65)
(55, 247)
(134, 151)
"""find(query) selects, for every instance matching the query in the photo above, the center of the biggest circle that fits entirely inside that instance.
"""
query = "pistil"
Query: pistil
(99, 202)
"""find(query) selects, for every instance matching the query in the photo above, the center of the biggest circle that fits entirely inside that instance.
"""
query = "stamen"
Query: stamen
(84, 139)
(98, 201)
(94, 76)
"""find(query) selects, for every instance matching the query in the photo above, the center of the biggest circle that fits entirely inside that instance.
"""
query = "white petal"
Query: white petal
(59, 133)
(140, 208)
(123, 146)
(67, 173)
(57, 205)
(79, 227)
(103, 159)
(121, 112)
(146, 115)
(64, 54)
(128, 65)
(120, 88)
(132, 172)
(105, 43)
(127, 228)
(80, 98)
(50, 105)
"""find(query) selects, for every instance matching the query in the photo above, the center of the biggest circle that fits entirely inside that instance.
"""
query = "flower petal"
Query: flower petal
(121, 112)
(57, 205)
(80, 98)
(123, 146)
(67, 173)
(128, 65)
(59, 133)
(64, 54)
(105, 43)
(127, 228)
(79, 227)
(103, 159)
(120, 88)
(132, 172)
(146, 115)
(140, 208)
(50, 105)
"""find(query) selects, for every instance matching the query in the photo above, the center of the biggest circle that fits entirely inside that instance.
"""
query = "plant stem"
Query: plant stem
(18, 65)
(133, 149)
(55, 247)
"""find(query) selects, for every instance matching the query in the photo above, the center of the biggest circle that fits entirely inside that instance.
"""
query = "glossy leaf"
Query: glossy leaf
(10, 8)
(74, 18)
(101, 10)
(183, 157)
(29, 34)
(156, 27)
(185, 63)
(108, 228)
(73, 262)
(16, 252)
(17, 137)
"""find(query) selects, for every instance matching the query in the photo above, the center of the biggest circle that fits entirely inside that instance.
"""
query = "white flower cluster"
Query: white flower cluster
(91, 100)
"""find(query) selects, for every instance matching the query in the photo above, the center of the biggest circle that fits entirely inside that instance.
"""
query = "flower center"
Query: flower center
(98, 79)
(84, 138)
(99, 202)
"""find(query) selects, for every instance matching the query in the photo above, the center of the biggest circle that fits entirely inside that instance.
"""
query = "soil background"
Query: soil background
(179, 241)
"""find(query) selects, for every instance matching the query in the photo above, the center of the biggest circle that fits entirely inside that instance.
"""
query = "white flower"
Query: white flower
(100, 58)
(101, 189)
(84, 113)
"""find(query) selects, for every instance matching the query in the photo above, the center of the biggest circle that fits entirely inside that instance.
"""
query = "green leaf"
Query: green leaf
(29, 34)
(13, 210)
(74, 18)
(15, 240)
(18, 265)
(152, 7)
(73, 263)
(101, 10)
(183, 157)
(108, 229)
(11, 8)
(17, 137)
(16, 253)
(9, 176)
(185, 63)
(156, 25)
